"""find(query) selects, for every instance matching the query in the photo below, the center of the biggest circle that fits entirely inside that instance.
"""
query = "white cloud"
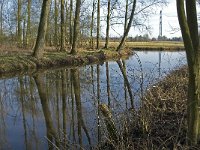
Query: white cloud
(169, 21)
(170, 26)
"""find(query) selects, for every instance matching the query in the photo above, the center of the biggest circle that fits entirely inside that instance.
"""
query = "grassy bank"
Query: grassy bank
(15, 60)
(160, 122)
(12, 64)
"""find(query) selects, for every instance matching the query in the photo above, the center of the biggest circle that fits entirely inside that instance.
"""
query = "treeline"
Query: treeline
(19, 20)
(145, 38)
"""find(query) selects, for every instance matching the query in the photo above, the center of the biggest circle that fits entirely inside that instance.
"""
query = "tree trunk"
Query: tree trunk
(98, 23)
(126, 17)
(62, 42)
(76, 27)
(128, 27)
(92, 26)
(1, 19)
(28, 30)
(66, 21)
(71, 22)
(19, 26)
(188, 29)
(108, 26)
(24, 32)
(192, 23)
(55, 23)
(40, 41)
(48, 38)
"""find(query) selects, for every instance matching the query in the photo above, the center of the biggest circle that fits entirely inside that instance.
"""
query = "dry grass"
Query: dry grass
(160, 122)
(163, 111)
(152, 45)
(12, 48)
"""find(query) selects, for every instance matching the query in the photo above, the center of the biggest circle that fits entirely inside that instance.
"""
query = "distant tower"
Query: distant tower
(160, 38)
(160, 25)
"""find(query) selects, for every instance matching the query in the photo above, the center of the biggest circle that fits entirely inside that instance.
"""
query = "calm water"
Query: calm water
(59, 107)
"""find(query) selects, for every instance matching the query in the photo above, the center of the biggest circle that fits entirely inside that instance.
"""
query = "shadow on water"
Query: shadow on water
(59, 108)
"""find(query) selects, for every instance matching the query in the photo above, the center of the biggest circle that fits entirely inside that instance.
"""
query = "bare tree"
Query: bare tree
(19, 20)
(66, 21)
(40, 41)
(1, 17)
(189, 28)
(108, 26)
(28, 31)
(55, 23)
(128, 27)
(71, 18)
(98, 23)
(76, 27)
(92, 26)
(62, 40)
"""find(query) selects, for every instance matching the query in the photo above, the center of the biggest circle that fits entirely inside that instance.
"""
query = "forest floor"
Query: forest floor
(161, 121)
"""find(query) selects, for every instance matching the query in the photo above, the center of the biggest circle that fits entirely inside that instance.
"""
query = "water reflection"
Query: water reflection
(77, 95)
(50, 129)
(126, 82)
(59, 108)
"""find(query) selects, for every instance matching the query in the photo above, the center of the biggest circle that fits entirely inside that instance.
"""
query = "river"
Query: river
(59, 108)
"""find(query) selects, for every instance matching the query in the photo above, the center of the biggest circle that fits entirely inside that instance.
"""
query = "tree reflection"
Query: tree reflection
(123, 71)
(51, 133)
(81, 123)
(108, 83)
(33, 109)
(3, 138)
(125, 88)
(64, 106)
(22, 94)
(98, 102)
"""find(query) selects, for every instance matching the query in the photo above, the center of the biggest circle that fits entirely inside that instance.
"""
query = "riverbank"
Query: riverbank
(163, 112)
(15, 60)
(160, 122)
(17, 63)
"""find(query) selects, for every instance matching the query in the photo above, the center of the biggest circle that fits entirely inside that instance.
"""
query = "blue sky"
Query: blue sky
(170, 23)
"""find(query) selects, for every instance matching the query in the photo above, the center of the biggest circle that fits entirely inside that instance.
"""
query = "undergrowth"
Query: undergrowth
(160, 122)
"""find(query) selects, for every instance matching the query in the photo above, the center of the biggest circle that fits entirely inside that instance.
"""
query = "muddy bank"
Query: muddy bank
(11, 65)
